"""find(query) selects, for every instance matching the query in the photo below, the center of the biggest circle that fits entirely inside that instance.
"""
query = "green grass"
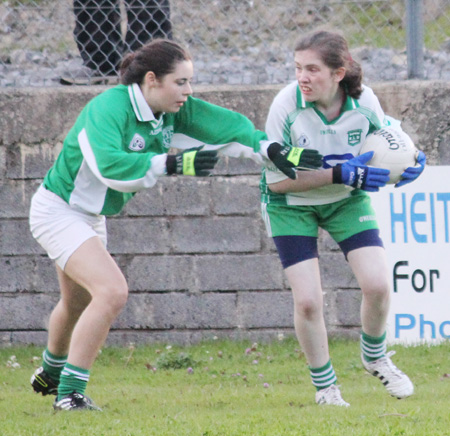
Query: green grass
(225, 393)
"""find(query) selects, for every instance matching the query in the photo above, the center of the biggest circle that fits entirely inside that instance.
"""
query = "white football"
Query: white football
(394, 150)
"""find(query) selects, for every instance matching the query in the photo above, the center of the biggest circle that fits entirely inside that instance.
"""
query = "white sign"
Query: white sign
(414, 225)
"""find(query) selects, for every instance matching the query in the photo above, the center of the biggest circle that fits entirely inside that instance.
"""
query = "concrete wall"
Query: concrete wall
(194, 251)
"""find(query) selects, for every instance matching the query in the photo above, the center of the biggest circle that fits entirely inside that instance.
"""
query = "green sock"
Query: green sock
(73, 379)
(324, 376)
(53, 365)
(373, 348)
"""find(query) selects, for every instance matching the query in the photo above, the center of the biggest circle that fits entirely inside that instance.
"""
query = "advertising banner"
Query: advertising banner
(414, 224)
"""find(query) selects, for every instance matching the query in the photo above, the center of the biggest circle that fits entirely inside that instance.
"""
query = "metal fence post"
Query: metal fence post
(414, 38)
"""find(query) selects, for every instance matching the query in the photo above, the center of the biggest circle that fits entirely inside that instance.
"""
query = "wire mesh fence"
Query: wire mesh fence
(232, 41)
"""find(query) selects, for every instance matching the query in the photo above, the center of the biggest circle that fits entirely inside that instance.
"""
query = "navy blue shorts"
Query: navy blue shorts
(294, 249)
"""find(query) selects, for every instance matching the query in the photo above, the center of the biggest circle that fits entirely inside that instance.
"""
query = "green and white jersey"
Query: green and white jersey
(298, 123)
(117, 146)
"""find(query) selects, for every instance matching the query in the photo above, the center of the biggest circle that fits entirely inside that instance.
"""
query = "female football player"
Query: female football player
(118, 146)
(328, 109)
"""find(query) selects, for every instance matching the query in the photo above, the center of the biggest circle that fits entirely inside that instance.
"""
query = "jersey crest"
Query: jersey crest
(354, 137)
(167, 136)
(137, 143)
(303, 141)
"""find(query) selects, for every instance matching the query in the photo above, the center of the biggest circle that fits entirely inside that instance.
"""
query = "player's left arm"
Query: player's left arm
(412, 173)
(371, 100)
(280, 150)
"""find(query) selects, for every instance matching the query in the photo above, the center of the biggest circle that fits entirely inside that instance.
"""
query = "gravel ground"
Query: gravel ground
(30, 68)
(36, 49)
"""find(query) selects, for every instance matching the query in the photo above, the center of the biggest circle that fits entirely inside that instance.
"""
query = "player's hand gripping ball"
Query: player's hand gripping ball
(394, 150)
(357, 174)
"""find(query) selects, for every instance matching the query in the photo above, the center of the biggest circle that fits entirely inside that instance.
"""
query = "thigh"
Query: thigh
(59, 228)
(94, 269)
(304, 279)
(284, 220)
(348, 217)
(294, 230)
(369, 264)
(73, 295)
(295, 249)
(366, 238)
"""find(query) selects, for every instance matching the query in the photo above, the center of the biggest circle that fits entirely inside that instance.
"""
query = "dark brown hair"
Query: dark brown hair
(333, 50)
(159, 56)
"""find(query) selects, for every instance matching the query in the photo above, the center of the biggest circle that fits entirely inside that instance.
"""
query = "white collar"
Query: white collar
(141, 108)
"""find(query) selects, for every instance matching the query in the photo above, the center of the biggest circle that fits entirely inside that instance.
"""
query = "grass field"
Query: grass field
(230, 389)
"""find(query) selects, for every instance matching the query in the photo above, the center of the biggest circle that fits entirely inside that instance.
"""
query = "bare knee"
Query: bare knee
(308, 308)
(76, 308)
(118, 298)
(111, 298)
(377, 291)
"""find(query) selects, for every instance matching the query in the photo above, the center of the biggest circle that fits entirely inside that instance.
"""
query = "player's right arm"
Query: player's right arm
(102, 143)
(278, 130)
(354, 173)
(100, 134)
(305, 181)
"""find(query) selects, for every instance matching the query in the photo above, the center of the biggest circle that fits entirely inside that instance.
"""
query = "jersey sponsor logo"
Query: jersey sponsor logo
(328, 131)
(303, 141)
(137, 143)
(365, 218)
(354, 137)
(167, 136)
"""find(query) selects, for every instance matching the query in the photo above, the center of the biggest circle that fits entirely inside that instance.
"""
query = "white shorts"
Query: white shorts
(61, 229)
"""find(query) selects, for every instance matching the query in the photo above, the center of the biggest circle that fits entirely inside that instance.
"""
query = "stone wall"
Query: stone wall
(194, 251)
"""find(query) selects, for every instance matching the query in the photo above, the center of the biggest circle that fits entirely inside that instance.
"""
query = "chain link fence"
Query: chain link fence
(232, 41)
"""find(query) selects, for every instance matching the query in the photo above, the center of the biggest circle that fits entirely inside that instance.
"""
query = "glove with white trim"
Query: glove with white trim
(286, 158)
(355, 173)
(192, 162)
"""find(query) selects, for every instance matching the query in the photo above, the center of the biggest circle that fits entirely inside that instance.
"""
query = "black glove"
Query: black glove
(192, 162)
(358, 175)
(286, 158)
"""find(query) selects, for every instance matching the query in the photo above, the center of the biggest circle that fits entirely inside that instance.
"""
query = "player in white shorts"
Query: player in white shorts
(119, 145)
(328, 109)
